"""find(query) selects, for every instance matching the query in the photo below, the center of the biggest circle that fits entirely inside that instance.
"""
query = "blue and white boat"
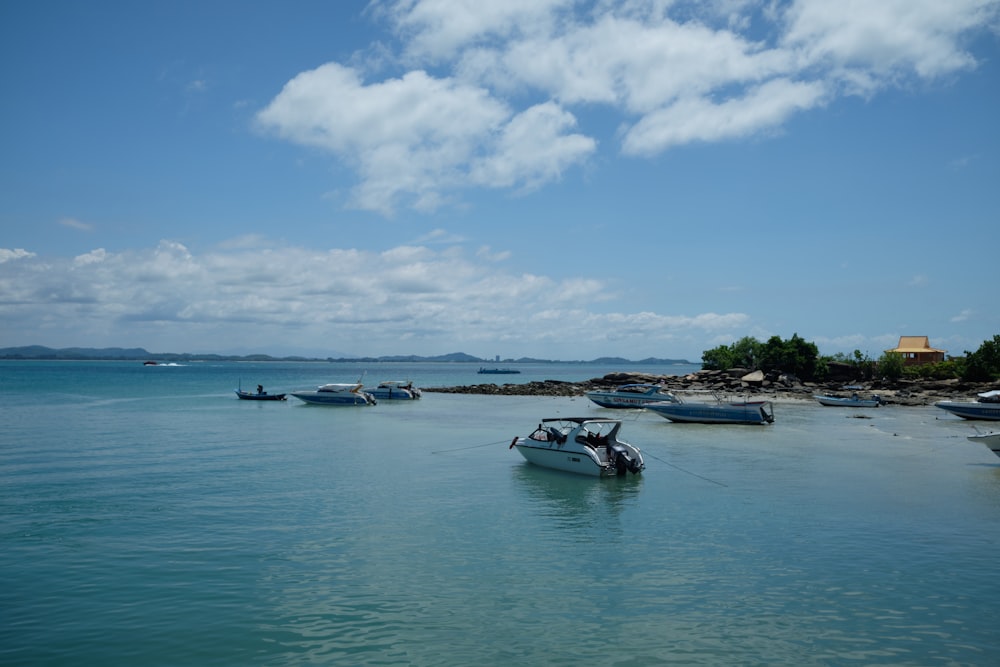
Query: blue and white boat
(852, 401)
(986, 407)
(581, 445)
(336, 394)
(635, 395)
(395, 390)
(720, 412)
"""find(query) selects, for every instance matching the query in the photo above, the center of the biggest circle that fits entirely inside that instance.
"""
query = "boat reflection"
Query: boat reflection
(568, 500)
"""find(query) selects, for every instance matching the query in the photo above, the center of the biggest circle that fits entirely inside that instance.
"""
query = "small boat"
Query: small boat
(720, 412)
(150, 363)
(634, 395)
(991, 440)
(336, 394)
(498, 371)
(395, 389)
(987, 407)
(259, 395)
(852, 401)
(581, 445)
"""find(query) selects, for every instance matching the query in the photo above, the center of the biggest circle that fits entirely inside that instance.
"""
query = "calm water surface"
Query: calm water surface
(149, 517)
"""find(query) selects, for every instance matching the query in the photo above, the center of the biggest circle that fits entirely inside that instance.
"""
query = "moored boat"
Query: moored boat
(580, 445)
(720, 412)
(395, 390)
(259, 395)
(852, 401)
(635, 395)
(991, 440)
(986, 407)
(336, 394)
(498, 371)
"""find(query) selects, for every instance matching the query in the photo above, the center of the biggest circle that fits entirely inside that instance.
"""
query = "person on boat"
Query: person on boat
(260, 389)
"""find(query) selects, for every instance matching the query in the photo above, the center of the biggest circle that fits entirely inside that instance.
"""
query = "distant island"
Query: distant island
(40, 352)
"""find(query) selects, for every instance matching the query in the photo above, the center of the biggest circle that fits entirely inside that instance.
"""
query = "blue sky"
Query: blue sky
(545, 178)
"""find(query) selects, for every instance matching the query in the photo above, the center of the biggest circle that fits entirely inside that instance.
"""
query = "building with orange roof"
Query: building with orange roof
(917, 350)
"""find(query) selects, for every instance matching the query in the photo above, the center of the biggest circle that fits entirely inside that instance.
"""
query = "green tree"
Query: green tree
(717, 359)
(983, 365)
(795, 355)
(890, 366)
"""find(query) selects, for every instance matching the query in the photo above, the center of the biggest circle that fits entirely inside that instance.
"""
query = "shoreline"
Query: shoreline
(778, 389)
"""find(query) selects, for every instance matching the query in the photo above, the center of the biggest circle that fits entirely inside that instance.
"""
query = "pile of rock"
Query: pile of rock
(741, 381)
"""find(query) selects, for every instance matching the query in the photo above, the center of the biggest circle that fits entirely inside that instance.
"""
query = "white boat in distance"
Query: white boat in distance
(852, 401)
(987, 407)
(634, 395)
(395, 389)
(581, 445)
(991, 440)
(720, 412)
(336, 394)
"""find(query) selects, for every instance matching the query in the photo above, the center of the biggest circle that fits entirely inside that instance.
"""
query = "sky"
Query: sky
(554, 179)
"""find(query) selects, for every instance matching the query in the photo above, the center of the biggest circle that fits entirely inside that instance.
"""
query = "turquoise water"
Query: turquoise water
(149, 517)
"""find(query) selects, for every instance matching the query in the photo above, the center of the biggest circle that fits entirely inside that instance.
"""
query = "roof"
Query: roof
(915, 344)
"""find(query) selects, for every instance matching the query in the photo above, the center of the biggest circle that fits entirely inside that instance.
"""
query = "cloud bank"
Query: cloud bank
(250, 295)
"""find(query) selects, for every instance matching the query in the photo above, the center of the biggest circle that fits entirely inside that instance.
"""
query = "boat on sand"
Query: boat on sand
(986, 406)
(635, 395)
(852, 401)
(720, 412)
(991, 440)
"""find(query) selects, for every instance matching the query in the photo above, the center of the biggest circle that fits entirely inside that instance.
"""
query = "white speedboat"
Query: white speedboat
(720, 412)
(852, 401)
(395, 389)
(336, 394)
(580, 445)
(634, 395)
(991, 440)
(987, 407)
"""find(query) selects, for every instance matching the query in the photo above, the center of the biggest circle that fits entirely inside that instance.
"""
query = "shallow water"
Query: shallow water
(149, 517)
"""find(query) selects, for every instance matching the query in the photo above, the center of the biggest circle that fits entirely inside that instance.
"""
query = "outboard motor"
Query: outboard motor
(622, 461)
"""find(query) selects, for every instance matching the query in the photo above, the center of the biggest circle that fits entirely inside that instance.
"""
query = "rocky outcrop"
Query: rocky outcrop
(740, 381)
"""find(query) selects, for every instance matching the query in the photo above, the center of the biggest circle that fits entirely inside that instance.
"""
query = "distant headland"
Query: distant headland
(40, 352)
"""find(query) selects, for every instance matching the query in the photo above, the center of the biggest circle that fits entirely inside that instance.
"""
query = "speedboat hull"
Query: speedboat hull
(755, 412)
(848, 402)
(326, 398)
(336, 394)
(989, 411)
(991, 440)
(580, 445)
(630, 396)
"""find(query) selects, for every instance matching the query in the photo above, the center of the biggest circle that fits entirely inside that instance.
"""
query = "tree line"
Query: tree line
(802, 359)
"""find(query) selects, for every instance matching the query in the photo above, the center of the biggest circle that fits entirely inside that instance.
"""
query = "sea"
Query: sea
(148, 517)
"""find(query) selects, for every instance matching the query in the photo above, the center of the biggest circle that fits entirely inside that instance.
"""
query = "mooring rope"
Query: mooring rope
(459, 449)
(677, 467)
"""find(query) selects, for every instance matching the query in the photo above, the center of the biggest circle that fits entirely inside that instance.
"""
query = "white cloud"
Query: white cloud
(8, 255)
(886, 38)
(964, 315)
(501, 110)
(73, 223)
(415, 137)
(698, 119)
(244, 295)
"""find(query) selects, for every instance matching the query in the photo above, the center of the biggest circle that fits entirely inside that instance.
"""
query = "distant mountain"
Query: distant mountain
(138, 353)
(42, 352)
